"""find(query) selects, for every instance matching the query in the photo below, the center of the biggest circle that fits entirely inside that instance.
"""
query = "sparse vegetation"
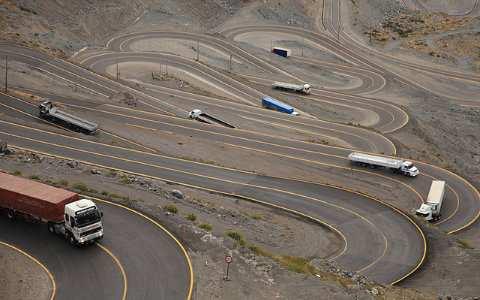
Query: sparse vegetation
(34, 177)
(257, 216)
(296, 264)
(206, 226)
(124, 179)
(115, 196)
(292, 263)
(191, 217)
(82, 187)
(171, 208)
(63, 182)
(104, 193)
(464, 244)
(17, 173)
(236, 236)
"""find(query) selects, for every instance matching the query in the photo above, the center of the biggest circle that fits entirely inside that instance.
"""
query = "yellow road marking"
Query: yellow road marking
(129, 141)
(292, 211)
(228, 181)
(297, 129)
(117, 262)
(241, 171)
(130, 150)
(49, 274)
(141, 127)
(184, 251)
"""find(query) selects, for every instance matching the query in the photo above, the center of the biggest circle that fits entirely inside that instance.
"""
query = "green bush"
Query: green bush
(206, 227)
(296, 264)
(236, 236)
(257, 216)
(17, 173)
(34, 177)
(192, 217)
(171, 208)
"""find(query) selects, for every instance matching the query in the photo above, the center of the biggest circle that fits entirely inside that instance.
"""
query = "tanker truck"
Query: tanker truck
(396, 165)
(78, 220)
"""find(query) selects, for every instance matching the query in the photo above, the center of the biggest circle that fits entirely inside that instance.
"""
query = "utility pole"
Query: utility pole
(339, 20)
(323, 15)
(303, 38)
(118, 73)
(198, 50)
(6, 73)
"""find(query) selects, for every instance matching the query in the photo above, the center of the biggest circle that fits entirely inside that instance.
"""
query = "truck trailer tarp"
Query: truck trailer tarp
(34, 198)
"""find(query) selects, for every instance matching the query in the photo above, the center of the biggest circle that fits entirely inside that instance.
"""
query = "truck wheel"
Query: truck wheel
(72, 240)
(11, 214)
(51, 228)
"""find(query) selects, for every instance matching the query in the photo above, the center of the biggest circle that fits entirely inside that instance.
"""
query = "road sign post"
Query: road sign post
(228, 260)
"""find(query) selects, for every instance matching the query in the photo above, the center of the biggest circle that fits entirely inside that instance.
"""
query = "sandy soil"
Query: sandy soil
(21, 277)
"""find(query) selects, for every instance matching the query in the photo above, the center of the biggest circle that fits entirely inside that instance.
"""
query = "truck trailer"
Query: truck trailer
(281, 51)
(299, 88)
(201, 116)
(50, 112)
(270, 103)
(430, 210)
(78, 220)
(396, 165)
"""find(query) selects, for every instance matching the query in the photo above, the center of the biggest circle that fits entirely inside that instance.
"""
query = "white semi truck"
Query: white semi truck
(396, 165)
(430, 210)
(299, 88)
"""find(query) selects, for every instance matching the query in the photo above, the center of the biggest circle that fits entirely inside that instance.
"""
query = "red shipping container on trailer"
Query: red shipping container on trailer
(33, 198)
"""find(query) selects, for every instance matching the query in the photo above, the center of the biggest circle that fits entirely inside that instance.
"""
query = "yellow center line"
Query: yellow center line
(180, 245)
(35, 260)
(117, 262)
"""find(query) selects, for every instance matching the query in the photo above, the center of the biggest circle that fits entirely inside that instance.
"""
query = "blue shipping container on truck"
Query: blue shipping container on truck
(281, 51)
(269, 102)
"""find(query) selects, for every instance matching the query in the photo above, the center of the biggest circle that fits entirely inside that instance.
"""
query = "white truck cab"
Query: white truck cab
(430, 210)
(306, 88)
(83, 222)
(194, 114)
(409, 169)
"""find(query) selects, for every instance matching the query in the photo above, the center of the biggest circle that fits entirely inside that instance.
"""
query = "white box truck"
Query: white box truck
(430, 210)
(396, 165)
(299, 88)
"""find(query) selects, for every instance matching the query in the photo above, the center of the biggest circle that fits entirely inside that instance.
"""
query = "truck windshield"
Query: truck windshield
(88, 217)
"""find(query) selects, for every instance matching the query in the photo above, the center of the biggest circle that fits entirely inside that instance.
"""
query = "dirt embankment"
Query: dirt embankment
(64, 26)
(442, 38)
(21, 277)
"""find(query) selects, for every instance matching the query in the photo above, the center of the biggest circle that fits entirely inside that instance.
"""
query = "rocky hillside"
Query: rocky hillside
(65, 24)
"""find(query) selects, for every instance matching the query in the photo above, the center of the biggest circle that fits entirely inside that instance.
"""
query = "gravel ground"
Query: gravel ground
(21, 277)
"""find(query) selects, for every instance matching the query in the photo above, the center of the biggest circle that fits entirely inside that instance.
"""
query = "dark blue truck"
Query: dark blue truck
(270, 103)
